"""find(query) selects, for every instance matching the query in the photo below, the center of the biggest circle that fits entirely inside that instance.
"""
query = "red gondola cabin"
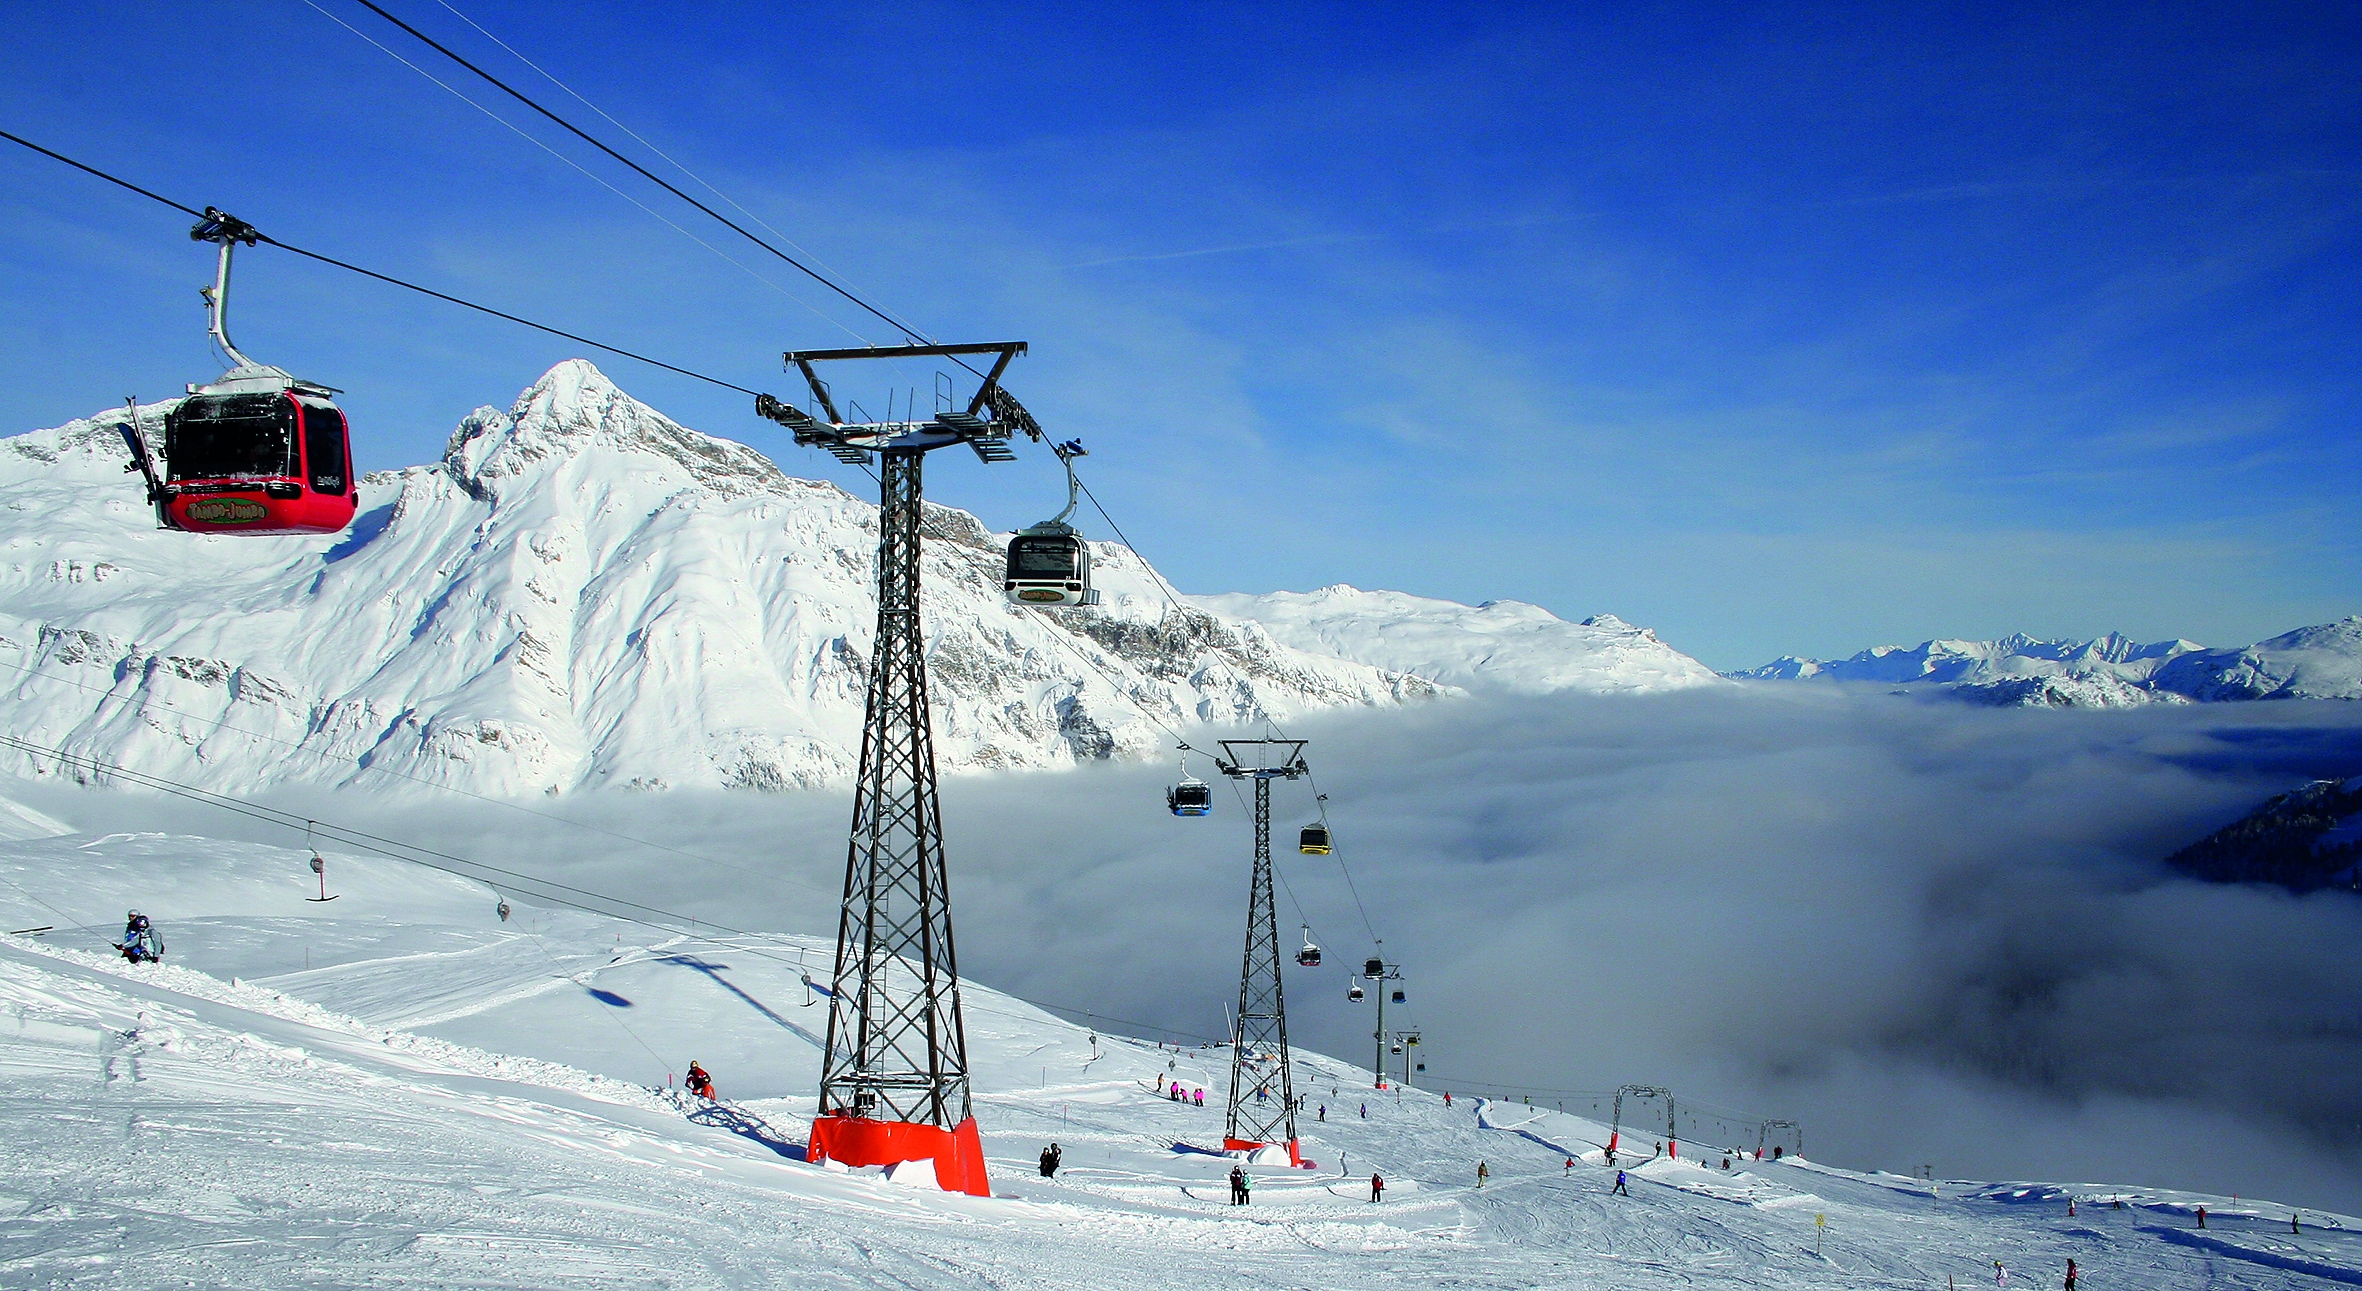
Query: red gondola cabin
(258, 463)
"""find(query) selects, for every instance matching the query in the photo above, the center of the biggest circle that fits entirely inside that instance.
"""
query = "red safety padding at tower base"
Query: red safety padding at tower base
(1248, 1145)
(857, 1141)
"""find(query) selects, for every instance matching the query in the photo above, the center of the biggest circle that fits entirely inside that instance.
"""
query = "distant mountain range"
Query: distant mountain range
(2323, 662)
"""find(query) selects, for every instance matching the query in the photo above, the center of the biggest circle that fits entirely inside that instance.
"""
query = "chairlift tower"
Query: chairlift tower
(1763, 1135)
(894, 1076)
(1616, 1117)
(1380, 973)
(1259, 1043)
(1406, 1043)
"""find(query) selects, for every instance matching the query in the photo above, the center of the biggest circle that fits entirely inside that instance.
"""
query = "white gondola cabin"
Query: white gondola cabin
(1050, 564)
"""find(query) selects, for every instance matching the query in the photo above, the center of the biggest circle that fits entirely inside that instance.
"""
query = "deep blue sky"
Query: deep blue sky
(1778, 330)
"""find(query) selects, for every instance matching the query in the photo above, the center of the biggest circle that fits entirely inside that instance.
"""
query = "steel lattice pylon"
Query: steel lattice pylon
(897, 1049)
(894, 1072)
(1262, 1082)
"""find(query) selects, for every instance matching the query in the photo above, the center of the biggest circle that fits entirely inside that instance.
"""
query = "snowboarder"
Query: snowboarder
(1483, 1172)
(1377, 1187)
(2292, 1222)
(1324, 1113)
(2202, 1217)
(1447, 1098)
(2070, 1207)
(1570, 1167)
(1050, 1158)
(2000, 1275)
(140, 943)
(1365, 1111)
(2070, 1275)
(698, 1083)
(1726, 1166)
(1619, 1190)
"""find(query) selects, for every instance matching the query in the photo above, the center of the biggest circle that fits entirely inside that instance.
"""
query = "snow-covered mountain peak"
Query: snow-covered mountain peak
(574, 410)
(85, 440)
(1499, 644)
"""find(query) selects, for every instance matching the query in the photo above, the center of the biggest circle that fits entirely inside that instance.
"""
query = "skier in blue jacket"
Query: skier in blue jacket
(140, 943)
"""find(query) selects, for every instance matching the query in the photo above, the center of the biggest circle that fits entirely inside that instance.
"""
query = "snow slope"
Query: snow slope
(2323, 662)
(1499, 645)
(581, 593)
(395, 1089)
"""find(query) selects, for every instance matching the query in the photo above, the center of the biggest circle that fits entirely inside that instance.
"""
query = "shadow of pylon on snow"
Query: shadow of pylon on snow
(714, 971)
(741, 1122)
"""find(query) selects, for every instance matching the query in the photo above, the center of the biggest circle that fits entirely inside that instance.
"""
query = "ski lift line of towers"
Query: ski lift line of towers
(894, 995)
(1259, 1054)
(1721, 1129)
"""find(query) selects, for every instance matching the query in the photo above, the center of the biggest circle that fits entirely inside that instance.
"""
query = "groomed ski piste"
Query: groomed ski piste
(399, 1089)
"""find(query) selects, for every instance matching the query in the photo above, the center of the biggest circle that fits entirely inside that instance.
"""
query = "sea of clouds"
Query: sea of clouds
(1934, 934)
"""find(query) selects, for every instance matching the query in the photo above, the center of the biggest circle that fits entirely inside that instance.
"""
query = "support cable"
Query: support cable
(587, 173)
(651, 176)
(385, 278)
(642, 140)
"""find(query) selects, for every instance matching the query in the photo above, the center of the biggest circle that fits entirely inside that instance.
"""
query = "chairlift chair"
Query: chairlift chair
(1373, 967)
(320, 868)
(1314, 840)
(1050, 564)
(1397, 999)
(1309, 957)
(1354, 995)
(258, 451)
